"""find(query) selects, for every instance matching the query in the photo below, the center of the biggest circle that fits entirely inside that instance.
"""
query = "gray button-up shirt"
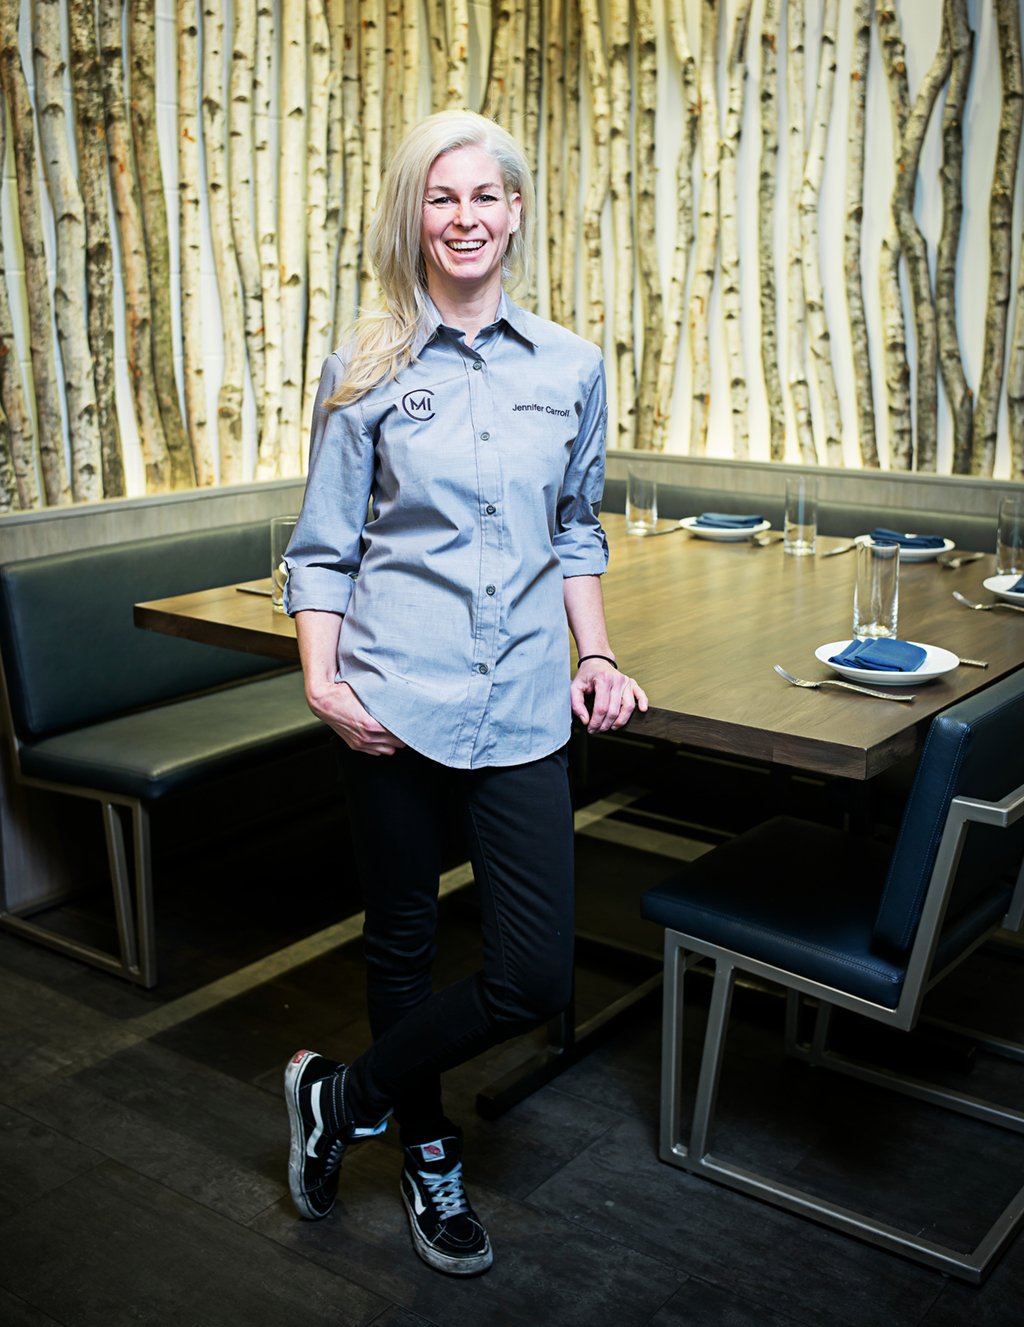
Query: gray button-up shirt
(484, 470)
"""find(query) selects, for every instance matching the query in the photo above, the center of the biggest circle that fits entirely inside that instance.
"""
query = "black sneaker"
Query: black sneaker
(446, 1232)
(321, 1130)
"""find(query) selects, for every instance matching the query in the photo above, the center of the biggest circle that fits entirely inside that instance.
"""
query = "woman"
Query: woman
(432, 632)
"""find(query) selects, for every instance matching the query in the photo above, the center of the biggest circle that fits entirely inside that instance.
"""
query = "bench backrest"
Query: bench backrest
(72, 654)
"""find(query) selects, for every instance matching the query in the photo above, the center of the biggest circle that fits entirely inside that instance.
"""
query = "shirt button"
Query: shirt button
(477, 365)
(490, 509)
(490, 589)
(481, 668)
(485, 437)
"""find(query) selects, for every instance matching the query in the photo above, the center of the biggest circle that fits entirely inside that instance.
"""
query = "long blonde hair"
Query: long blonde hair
(383, 339)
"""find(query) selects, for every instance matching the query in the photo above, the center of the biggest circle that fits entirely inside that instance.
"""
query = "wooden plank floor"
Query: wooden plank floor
(143, 1142)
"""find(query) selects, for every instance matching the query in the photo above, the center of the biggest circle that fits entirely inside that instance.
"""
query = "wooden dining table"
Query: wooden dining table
(700, 622)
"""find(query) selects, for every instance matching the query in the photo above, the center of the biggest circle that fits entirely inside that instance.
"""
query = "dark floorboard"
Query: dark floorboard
(143, 1140)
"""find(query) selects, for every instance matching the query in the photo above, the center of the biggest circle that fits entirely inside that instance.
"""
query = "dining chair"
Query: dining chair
(851, 924)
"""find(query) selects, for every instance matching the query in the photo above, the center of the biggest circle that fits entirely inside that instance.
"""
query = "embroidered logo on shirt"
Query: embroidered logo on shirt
(547, 409)
(419, 404)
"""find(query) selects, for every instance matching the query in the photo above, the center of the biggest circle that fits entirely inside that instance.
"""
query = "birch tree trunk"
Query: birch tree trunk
(335, 15)
(986, 415)
(291, 226)
(49, 427)
(346, 297)
(190, 227)
(810, 190)
(320, 277)
(897, 370)
(69, 225)
(1015, 380)
(87, 91)
(19, 441)
(646, 218)
(515, 104)
(496, 92)
(268, 458)
(622, 222)
(853, 233)
(534, 81)
(797, 321)
(571, 181)
(437, 29)
(391, 87)
(600, 177)
(707, 234)
(410, 64)
(916, 252)
(142, 55)
(736, 74)
(240, 169)
(676, 295)
(555, 156)
(960, 39)
(766, 211)
(229, 286)
(458, 53)
(134, 264)
(370, 56)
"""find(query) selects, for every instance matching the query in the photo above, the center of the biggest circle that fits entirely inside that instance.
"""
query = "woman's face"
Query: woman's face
(467, 221)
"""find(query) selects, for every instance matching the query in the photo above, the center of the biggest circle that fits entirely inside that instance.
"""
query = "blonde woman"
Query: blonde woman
(449, 533)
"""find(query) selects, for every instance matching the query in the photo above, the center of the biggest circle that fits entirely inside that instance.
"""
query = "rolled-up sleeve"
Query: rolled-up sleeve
(326, 548)
(579, 539)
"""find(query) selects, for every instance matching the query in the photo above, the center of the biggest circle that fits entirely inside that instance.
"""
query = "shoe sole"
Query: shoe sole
(292, 1076)
(440, 1261)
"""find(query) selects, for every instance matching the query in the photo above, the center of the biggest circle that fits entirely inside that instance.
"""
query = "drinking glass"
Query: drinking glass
(876, 592)
(281, 528)
(641, 500)
(1010, 535)
(800, 526)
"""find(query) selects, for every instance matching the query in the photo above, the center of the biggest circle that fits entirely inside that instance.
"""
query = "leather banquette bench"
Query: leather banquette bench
(99, 709)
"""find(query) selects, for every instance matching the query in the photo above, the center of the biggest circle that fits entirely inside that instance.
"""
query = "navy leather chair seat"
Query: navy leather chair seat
(853, 925)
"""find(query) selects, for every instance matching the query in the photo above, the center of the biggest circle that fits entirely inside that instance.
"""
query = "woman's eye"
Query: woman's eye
(440, 200)
(486, 198)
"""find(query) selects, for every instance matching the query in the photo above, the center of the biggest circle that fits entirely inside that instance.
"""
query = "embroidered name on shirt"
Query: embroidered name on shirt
(546, 409)
(419, 404)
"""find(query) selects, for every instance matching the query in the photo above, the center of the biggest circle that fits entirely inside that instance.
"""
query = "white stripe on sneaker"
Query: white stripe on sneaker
(317, 1134)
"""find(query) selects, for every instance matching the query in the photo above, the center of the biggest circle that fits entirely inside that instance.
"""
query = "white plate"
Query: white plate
(1000, 585)
(720, 532)
(936, 662)
(918, 554)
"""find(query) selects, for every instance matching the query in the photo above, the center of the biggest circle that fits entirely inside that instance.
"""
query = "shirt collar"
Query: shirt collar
(509, 313)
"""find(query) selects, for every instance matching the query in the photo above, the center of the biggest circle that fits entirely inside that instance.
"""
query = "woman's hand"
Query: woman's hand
(614, 696)
(341, 709)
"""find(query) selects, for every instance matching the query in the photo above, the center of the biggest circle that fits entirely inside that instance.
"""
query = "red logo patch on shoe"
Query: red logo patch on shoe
(432, 1151)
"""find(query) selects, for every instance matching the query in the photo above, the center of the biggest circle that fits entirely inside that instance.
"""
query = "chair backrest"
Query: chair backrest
(974, 749)
(71, 651)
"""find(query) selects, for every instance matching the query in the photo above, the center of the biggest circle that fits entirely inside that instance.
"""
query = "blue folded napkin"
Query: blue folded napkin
(723, 521)
(882, 656)
(1018, 588)
(879, 535)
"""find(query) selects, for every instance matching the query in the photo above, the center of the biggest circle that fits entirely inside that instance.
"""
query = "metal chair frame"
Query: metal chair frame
(695, 1155)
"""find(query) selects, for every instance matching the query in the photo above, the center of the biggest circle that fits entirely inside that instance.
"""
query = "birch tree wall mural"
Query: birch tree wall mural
(794, 226)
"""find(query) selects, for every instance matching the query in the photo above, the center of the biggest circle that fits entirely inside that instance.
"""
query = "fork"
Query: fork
(984, 608)
(834, 682)
(958, 560)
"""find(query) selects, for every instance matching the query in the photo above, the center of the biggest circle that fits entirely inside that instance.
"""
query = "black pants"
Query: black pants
(518, 821)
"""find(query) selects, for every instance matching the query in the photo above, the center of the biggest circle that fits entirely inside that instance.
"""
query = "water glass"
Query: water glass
(281, 528)
(876, 593)
(641, 500)
(1010, 535)
(800, 527)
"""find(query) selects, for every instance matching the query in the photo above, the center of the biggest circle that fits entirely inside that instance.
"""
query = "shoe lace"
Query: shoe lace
(446, 1191)
(333, 1159)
